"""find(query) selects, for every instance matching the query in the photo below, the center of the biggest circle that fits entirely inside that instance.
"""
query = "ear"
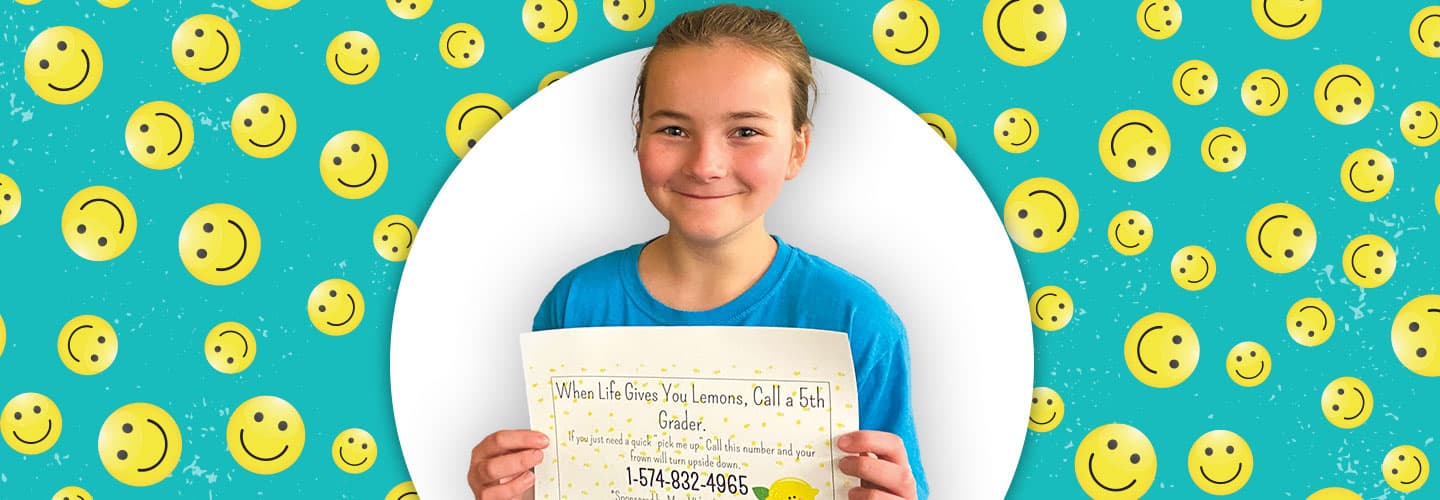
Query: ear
(799, 149)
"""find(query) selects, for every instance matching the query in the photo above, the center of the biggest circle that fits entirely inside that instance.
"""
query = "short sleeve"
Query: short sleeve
(551, 314)
(883, 372)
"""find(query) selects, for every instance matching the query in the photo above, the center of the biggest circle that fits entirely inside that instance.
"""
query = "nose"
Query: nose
(710, 160)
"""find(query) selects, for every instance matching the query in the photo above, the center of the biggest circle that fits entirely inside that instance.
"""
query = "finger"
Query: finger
(885, 445)
(509, 490)
(881, 475)
(503, 442)
(502, 469)
(871, 494)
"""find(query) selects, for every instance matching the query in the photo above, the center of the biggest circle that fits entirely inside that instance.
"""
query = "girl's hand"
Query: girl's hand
(882, 466)
(500, 466)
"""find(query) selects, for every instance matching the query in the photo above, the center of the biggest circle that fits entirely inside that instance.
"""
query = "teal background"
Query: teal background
(1105, 66)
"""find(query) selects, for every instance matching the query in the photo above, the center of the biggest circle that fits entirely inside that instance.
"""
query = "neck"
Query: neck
(696, 276)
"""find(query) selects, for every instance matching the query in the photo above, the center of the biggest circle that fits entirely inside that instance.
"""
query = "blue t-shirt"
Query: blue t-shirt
(798, 290)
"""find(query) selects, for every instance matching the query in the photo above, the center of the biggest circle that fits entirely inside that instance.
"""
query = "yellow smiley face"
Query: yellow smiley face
(219, 244)
(354, 451)
(1425, 31)
(409, 9)
(1310, 321)
(98, 223)
(393, 237)
(1249, 364)
(2, 335)
(1406, 468)
(1420, 121)
(461, 45)
(1347, 402)
(1024, 33)
(275, 4)
(401, 491)
(1193, 267)
(1162, 350)
(1195, 82)
(72, 493)
(87, 344)
(159, 135)
(114, 4)
(206, 48)
(9, 199)
(549, 21)
(629, 15)
(1016, 130)
(230, 347)
(1115, 461)
(263, 125)
(1415, 335)
(265, 435)
(1158, 19)
(352, 57)
(1367, 174)
(140, 444)
(1334, 493)
(1223, 149)
(1344, 94)
(550, 78)
(336, 307)
(906, 31)
(470, 118)
(1286, 19)
(1134, 145)
(1051, 308)
(1041, 215)
(1221, 462)
(30, 423)
(1264, 92)
(1280, 238)
(941, 126)
(1130, 232)
(1369, 261)
(353, 164)
(63, 65)
(1046, 409)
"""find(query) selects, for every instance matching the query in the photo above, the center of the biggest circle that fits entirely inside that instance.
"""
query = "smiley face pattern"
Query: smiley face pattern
(249, 130)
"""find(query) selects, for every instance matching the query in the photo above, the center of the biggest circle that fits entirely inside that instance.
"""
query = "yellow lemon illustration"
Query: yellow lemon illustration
(906, 31)
(1024, 34)
(470, 118)
(1158, 19)
(1162, 350)
(1193, 268)
(1420, 121)
(461, 45)
(1249, 364)
(1264, 92)
(1310, 321)
(63, 65)
(393, 236)
(1195, 82)
(1221, 462)
(1280, 238)
(140, 444)
(1115, 461)
(219, 244)
(549, 21)
(1016, 130)
(1415, 335)
(1369, 261)
(230, 347)
(1344, 94)
(98, 223)
(336, 307)
(352, 57)
(265, 435)
(1041, 215)
(1286, 19)
(789, 488)
(1134, 145)
(1223, 149)
(263, 125)
(1406, 468)
(1051, 308)
(30, 423)
(354, 451)
(87, 344)
(1046, 409)
(353, 164)
(159, 135)
(1347, 402)
(206, 48)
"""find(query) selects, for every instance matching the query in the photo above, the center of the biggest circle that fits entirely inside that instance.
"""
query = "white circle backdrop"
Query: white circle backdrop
(556, 183)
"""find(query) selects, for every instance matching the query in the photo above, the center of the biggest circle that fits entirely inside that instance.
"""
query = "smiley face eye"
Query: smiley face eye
(264, 109)
(1034, 400)
(1023, 213)
(122, 455)
(347, 45)
(364, 446)
(1230, 450)
(36, 409)
(903, 15)
(259, 416)
(1340, 391)
(1402, 458)
(1335, 407)
(17, 415)
(283, 425)
(332, 293)
(61, 45)
(1238, 358)
(127, 428)
(45, 64)
(1050, 402)
(201, 253)
(1176, 339)
(1134, 458)
(1209, 451)
(364, 51)
(889, 33)
(1112, 444)
(336, 160)
(355, 148)
(1039, 9)
(352, 441)
(1174, 364)
(1414, 326)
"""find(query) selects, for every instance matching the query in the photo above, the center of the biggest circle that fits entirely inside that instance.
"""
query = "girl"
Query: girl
(722, 123)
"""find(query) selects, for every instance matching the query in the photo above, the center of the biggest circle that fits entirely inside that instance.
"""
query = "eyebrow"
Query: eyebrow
(738, 115)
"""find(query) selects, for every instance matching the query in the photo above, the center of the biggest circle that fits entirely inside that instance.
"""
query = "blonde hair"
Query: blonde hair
(761, 30)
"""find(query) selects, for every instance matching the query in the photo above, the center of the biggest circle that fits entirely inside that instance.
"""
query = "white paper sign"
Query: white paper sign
(696, 413)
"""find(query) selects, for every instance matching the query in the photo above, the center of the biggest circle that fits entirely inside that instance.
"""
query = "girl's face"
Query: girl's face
(717, 139)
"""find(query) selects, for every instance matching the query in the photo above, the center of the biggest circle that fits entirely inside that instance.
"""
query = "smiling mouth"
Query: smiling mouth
(1207, 271)
(923, 41)
(1352, 264)
(1265, 7)
(164, 450)
(262, 459)
(1435, 120)
(225, 57)
(82, 77)
(1232, 478)
(1140, 358)
(1362, 404)
(49, 426)
(1091, 467)
(699, 197)
(277, 139)
(1257, 374)
(1122, 242)
(1029, 131)
(1351, 175)
(244, 247)
(1052, 419)
(1000, 32)
(347, 318)
(347, 462)
(1146, 17)
(374, 167)
(178, 128)
(1418, 471)
(342, 68)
